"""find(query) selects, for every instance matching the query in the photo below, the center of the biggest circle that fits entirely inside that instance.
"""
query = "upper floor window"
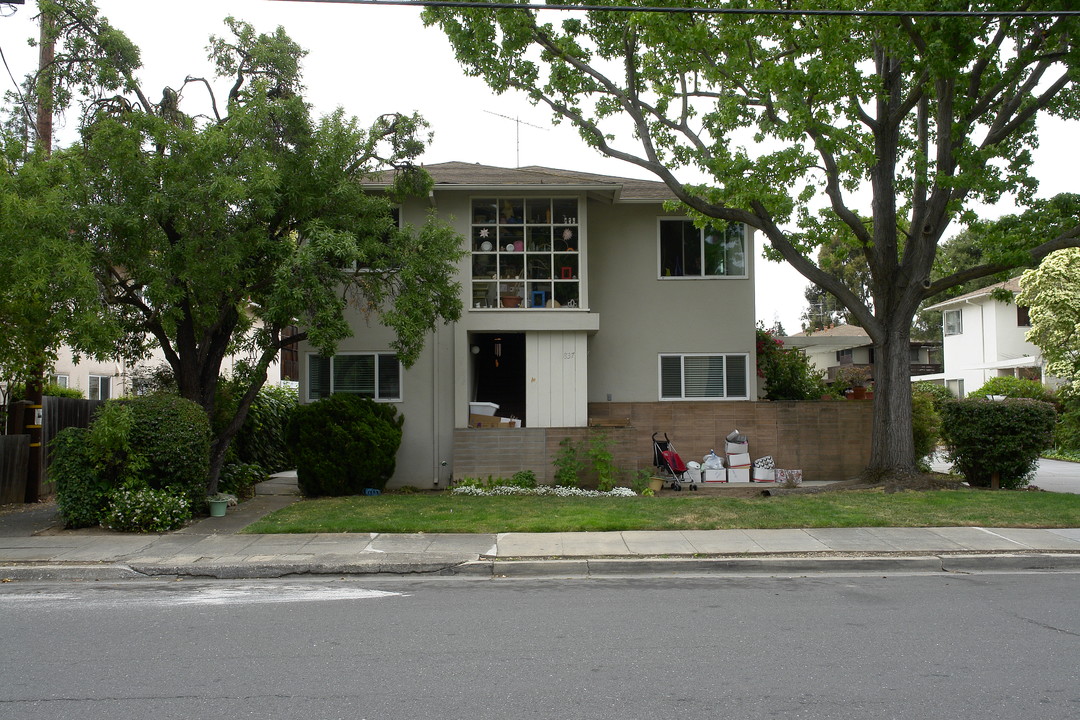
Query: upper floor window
(689, 251)
(845, 356)
(371, 375)
(703, 377)
(526, 253)
(1023, 317)
(953, 321)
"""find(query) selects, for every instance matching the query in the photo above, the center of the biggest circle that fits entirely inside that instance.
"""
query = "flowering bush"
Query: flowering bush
(146, 510)
(787, 372)
(542, 491)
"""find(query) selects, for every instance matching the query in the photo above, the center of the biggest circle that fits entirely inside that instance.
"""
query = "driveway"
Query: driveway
(1052, 475)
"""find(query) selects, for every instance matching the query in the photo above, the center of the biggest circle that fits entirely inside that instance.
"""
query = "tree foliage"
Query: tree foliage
(1052, 294)
(919, 115)
(212, 232)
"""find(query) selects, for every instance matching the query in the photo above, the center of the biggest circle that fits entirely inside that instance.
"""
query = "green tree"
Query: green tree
(210, 235)
(842, 258)
(926, 114)
(1052, 294)
(48, 295)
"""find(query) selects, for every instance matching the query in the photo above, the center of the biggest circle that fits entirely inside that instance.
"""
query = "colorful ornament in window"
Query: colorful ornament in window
(567, 234)
(484, 233)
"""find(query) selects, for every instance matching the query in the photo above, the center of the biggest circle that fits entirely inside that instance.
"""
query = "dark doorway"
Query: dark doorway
(499, 365)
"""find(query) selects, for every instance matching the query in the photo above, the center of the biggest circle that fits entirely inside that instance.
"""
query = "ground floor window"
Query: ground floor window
(99, 388)
(372, 375)
(59, 380)
(702, 376)
(956, 387)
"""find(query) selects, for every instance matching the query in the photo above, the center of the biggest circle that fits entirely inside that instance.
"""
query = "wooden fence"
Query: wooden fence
(57, 414)
(14, 454)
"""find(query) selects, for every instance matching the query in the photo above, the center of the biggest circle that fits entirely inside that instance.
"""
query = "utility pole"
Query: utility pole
(43, 130)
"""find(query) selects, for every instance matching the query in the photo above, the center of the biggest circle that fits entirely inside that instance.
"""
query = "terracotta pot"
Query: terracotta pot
(858, 393)
(511, 301)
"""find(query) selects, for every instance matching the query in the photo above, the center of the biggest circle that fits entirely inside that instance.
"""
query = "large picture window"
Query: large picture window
(689, 251)
(703, 377)
(526, 253)
(371, 375)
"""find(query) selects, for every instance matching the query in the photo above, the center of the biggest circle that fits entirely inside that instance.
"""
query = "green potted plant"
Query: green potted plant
(218, 503)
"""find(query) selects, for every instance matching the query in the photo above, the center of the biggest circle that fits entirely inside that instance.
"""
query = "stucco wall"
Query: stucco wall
(642, 315)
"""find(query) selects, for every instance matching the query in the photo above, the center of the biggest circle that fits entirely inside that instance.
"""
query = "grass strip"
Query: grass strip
(446, 513)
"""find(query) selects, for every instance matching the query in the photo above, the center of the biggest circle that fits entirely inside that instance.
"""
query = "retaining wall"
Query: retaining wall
(828, 440)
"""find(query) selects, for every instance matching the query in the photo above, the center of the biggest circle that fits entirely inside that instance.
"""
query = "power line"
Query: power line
(711, 11)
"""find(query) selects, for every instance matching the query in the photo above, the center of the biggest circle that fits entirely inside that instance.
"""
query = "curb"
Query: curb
(580, 568)
(52, 573)
(1030, 562)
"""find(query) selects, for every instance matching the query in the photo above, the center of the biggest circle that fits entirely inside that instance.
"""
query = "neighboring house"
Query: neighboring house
(102, 380)
(578, 289)
(846, 345)
(984, 338)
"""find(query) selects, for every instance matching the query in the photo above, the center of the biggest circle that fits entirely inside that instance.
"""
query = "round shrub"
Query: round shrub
(344, 444)
(146, 510)
(81, 494)
(1012, 387)
(173, 436)
(988, 436)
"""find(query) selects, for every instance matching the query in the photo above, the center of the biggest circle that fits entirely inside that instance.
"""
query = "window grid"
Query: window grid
(702, 376)
(373, 375)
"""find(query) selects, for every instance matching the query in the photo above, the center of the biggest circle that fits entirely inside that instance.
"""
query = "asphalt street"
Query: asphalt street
(903, 646)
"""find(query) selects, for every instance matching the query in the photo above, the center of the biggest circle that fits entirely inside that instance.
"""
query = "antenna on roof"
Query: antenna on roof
(517, 135)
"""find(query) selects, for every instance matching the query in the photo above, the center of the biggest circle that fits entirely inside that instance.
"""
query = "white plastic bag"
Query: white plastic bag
(712, 461)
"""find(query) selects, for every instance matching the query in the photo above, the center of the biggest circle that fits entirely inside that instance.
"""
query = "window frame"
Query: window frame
(1023, 316)
(701, 253)
(310, 357)
(91, 395)
(727, 358)
(60, 380)
(958, 328)
(526, 246)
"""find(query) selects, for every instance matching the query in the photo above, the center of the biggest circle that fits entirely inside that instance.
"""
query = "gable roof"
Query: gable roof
(474, 176)
(1012, 285)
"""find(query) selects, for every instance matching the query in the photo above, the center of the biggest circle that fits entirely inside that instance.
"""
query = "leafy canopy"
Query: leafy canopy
(894, 124)
(211, 232)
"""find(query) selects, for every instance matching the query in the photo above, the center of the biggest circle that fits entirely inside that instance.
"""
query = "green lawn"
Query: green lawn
(445, 513)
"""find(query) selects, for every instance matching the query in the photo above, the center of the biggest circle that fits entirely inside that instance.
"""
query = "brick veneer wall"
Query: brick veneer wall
(828, 440)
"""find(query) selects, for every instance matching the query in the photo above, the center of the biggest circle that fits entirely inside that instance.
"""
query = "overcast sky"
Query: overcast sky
(372, 60)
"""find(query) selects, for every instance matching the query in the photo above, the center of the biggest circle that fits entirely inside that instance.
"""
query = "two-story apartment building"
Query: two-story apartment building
(578, 289)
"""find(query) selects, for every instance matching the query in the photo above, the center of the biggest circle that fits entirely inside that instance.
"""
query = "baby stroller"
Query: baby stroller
(668, 461)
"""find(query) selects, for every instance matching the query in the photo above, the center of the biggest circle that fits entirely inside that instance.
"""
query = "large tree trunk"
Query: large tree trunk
(892, 451)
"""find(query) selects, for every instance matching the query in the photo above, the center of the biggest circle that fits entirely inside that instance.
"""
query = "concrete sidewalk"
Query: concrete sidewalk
(213, 547)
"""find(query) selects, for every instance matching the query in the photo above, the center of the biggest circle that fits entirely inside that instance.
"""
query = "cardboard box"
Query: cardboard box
(714, 476)
(742, 460)
(763, 474)
(692, 474)
(482, 408)
(738, 474)
(736, 448)
(510, 422)
(486, 421)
